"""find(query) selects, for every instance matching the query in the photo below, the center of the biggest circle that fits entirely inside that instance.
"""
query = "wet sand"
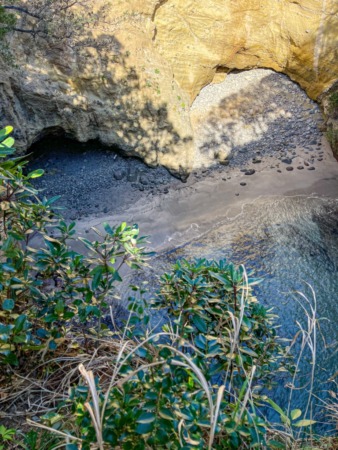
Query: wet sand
(199, 205)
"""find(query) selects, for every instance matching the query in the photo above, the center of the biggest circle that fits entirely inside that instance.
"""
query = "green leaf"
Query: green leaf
(11, 359)
(295, 413)
(5, 132)
(144, 428)
(146, 417)
(71, 447)
(282, 414)
(276, 444)
(35, 174)
(165, 413)
(8, 304)
(19, 323)
(200, 324)
(304, 423)
(107, 228)
(5, 151)
(9, 142)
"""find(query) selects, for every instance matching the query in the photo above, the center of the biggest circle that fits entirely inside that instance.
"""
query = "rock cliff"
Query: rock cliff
(132, 80)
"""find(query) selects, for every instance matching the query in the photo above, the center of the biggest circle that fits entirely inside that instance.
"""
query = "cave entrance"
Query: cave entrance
(91, 178)
(256, 117)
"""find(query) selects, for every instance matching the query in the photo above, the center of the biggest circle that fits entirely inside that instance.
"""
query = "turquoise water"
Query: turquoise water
(288, 241)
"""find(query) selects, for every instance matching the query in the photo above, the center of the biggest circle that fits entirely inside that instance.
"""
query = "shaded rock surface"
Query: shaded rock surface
(283, 124)
(131, 81)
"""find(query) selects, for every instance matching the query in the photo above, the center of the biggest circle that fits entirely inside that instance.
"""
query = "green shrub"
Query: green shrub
(195, 384)
(46, 292)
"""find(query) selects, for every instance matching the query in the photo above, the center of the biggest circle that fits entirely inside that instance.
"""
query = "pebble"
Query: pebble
(287, 160)
(132, 176)
(289, 168)
(119, 174)
(300, 167)
(144, 180)
(250, 172)
(311, 168)
(242, 184)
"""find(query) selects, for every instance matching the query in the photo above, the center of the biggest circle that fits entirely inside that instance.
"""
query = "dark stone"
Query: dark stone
(306, 163)
(289, 168)
(311, 168)
(119, 174)
(320, 159)
(279, 171)
(165, 191)
(144, 180)
(225, 162)
(256, 161)
(300, 167)
(287, 160)
(132, 176)
(249, 172)
(242, 184)
(105, 210)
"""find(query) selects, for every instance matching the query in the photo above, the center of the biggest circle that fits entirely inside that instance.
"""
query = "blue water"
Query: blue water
(288, 241)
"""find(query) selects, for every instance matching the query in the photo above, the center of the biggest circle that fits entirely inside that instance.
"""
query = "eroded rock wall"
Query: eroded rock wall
(132, 80)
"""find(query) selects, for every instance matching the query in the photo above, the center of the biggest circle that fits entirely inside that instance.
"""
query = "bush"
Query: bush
(48, 292)
(197, 383)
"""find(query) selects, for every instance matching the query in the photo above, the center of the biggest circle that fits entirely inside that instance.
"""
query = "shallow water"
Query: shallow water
(289, 241)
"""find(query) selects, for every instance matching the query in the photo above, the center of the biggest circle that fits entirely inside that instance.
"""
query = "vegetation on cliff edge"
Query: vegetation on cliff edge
(189, 367)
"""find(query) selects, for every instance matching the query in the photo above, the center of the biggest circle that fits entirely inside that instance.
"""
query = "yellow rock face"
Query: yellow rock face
(133, 78)
(298, 38)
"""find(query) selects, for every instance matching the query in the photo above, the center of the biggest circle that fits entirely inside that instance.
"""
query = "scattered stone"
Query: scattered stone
(311, 168)
(287, 160)
(256, 161)
(165, 191)
(144, 180)
(306, 163)
(224, 162)
(279, 171)
(119, 174)
(289, 168)
(132, 176)
(237, 194)
(249, 172)
(105, 210)
(300, 167)
(242, 184)
(320, 159)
